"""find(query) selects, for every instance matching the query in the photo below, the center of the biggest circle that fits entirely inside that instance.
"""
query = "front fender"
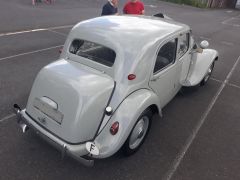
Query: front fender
(127, 115)
(199, 65)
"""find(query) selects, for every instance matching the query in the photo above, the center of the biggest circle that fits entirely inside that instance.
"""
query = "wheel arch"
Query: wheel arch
(127, 114)
(154, 109)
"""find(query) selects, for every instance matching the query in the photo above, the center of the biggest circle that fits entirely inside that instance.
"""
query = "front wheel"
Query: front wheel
(138, 133)
(208, 75)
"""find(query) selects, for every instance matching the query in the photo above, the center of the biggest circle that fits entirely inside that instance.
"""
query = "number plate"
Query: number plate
(48, 110)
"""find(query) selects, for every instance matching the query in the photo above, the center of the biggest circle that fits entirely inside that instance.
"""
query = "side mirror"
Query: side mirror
(204, 44)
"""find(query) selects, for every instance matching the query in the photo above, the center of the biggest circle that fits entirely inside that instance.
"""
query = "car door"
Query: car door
(164, 73)
(183, 56)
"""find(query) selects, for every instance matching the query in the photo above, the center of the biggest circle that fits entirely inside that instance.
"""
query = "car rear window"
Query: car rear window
(93, 51)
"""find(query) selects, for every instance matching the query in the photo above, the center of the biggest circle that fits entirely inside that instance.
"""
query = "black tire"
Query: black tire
(128, 148)
(208, 75)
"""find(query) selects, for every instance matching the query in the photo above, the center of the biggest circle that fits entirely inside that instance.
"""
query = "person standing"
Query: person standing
(48, 1)
(134, 7)
(110, 8)
(35, 1)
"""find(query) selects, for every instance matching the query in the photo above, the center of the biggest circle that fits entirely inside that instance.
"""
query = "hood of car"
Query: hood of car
(69, 100)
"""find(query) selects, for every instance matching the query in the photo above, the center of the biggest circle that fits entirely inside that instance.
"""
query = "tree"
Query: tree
(221, 3)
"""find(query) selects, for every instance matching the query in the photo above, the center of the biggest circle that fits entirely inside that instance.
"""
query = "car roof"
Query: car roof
(131, 37)
(117, 28)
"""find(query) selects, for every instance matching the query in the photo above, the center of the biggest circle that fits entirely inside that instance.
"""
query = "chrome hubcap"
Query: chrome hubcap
(139, 132)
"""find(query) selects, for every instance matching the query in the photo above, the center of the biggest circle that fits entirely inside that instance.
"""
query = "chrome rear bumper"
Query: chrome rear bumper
(74, 151)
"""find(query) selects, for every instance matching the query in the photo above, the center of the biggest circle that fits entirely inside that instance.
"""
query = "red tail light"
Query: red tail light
(114, 128)
(131, 77)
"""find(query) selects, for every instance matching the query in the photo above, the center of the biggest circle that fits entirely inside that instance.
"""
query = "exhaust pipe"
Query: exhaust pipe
(22, 125)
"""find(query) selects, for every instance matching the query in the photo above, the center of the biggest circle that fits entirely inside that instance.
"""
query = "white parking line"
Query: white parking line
(226, 22)
(59, 27)
(31, 52)
(205, 38)
(7, 117)
(234, 85)
(216, 80)
(151, 6)
(62, 34)
(229, 84)
(227, 43)
(191, 138)
(236, 25)
(35, 30)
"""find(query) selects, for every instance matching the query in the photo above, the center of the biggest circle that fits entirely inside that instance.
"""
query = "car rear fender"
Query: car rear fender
(200, 63)
(126, 114)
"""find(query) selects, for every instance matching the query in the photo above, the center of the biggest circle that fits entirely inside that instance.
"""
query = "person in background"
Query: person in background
(39, 1)
(35, 1)
(110, 8)
(134, 7)
(48, 1)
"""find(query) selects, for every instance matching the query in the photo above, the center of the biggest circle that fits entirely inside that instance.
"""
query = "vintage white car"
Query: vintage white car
(113, 74)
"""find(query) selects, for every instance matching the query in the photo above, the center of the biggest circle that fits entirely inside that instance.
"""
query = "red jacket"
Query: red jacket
(133, 7)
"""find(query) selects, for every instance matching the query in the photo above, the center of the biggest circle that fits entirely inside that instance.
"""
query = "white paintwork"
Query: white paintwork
(199, 65)
(81, 94)
(163, 84)
(81, 89)
(126, 114)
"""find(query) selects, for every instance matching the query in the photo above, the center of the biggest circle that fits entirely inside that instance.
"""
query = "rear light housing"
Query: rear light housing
(131, 77)
(114, 128)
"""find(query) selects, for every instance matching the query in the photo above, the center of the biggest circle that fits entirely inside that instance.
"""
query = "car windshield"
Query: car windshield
(93, 51)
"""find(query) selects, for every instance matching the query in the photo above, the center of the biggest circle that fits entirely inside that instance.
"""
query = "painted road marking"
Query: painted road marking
(227, 43)
(35, 30)
(216, 80)
(227, 21)
(229, 84)
(235, 25)
(202, 37)
(62, 34)
(191, 138)
(234, 85)
(7, 117)
(151, 6)
(31, 52)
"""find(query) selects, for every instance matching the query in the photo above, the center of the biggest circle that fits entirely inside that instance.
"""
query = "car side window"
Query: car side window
(166, 55)
(183, 44)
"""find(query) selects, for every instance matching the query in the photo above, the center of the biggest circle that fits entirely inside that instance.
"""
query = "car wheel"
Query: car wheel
(208, 75)
(138, 133)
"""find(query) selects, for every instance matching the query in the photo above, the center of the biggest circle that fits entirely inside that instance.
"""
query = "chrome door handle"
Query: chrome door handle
(155, 79)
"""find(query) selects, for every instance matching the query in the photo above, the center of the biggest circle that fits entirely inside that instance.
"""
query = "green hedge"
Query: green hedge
(189, 2)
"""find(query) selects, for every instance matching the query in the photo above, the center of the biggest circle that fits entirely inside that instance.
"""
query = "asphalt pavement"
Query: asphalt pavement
(197, 138)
